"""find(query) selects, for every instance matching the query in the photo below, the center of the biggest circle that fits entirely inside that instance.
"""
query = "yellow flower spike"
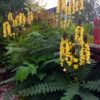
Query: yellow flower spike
(76, 6)
(62, 9)
(20, 18)
(30, 17)
(80, 4)
(14, 23)
(17, 19)
(87, 53)
(74, 10)
(79, 35)
(23, 19)
(10, 16)
(72, 7)
(68, 9)
(64, 49)
(6, 29)
(67, 50)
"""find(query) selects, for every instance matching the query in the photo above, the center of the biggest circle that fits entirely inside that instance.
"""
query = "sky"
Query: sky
(48, 3)
(51, 3)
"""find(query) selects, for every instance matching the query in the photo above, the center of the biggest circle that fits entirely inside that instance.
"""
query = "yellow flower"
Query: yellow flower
(23, 19)
(61, 6)
(69, 63)
(14, 23)
(84, 54)
(68, 53)
(64, 69)
(79, 35)
(80, 4)
(6, 29)
(30, 17)
(13, 33)
(20, 18)
(75, 66)
(87, 52)
(68, 9)
(76, 5)
(10, 16)
(64, 51)
(75, 60)
(61, 63)
(72, 7)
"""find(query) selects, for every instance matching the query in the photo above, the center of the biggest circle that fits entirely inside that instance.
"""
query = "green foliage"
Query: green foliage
(43, 88)
(11, 5)
(84, 72)
(34, 58)
(87, 15)
(6, 6)
(23, 71)
(93, 85)
(33, 44)
(86, 95)
(88, 28)
(34, 4)
(71, 91)
(41, 49)
(70, 29)
(10, 80)
(76, 89)
(51, 83)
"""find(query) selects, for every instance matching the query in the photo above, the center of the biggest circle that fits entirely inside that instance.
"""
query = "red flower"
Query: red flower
(96, 34)
(96, 22)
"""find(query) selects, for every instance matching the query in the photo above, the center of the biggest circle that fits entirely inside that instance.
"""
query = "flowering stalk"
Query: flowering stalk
(79, 34)
(72, 7)
(10, 16)
(19, 20)
(61, 10)
(61, 6)
(64, 49)
(75, 52)
(14, 23)
(6, 29)
(80, 4)
(30, 17)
